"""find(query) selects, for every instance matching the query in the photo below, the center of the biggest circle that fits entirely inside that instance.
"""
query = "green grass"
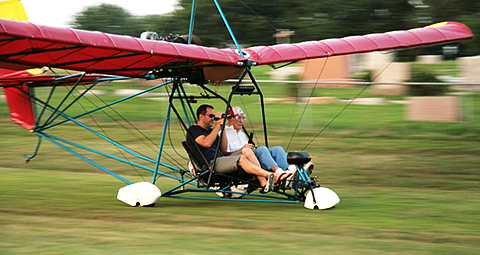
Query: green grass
(447, 68)
(50, 212)
(405, 187)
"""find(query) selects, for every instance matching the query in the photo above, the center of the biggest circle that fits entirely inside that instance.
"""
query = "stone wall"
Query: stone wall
(441, 108)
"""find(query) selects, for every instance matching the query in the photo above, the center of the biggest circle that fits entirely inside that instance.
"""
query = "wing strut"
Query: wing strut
(229, 29)
(35, 152)
(192, 17)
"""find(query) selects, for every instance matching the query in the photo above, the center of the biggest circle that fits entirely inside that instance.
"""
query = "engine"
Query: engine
(149, 35)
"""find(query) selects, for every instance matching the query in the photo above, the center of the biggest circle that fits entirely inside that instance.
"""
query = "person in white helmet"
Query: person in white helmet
(273, 159)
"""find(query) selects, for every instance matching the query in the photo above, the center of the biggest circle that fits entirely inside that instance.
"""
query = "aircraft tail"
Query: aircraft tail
(18, 101)
(20, 106)
(13, 10)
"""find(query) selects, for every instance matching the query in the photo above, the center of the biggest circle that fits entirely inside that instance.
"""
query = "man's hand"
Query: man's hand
(248, 146)
(219, 118)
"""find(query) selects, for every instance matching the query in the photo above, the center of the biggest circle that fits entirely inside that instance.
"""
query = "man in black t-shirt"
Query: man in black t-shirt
(206, 139)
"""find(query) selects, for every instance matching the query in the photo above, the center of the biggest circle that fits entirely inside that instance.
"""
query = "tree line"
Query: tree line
(256, 22)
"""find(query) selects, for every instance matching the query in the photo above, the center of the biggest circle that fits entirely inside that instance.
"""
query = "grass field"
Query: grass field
(405, 188)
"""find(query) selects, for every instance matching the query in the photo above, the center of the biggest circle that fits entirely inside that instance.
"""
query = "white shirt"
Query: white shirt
(236, 140)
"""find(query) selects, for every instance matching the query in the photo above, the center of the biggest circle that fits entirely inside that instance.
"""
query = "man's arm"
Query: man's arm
(224, 144)
(207, 141)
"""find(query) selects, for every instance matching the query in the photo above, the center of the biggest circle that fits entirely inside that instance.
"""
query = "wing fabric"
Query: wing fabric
(434, 34)
(25, 45)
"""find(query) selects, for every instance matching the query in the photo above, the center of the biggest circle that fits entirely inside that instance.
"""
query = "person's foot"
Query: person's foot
(291, 169)
(269, 185)
(281, 177)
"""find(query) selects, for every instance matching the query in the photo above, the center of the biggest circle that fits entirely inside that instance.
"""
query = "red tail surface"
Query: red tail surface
(19, 101)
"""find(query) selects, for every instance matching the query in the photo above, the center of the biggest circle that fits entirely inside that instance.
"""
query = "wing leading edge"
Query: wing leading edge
(435, 34)
(24, 45)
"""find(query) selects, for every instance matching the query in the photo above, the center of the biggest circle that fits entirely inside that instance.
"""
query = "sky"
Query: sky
(59, 13)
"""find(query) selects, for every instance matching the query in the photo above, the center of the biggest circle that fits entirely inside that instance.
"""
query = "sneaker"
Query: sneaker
(220, 194)
(240, 188)
(279, 171)
(293, 170)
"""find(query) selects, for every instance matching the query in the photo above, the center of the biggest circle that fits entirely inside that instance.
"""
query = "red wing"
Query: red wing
(24, 45)
(434, 34)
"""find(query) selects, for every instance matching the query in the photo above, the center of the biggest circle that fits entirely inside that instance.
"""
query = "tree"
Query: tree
(107, 18)
(255, 22)
(472, 46)
(451, 10)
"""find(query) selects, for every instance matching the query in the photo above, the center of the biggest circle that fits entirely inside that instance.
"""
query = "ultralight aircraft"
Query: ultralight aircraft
(177, 62)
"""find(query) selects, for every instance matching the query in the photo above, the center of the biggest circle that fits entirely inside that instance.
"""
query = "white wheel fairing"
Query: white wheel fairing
(140, 193)
(325, 198)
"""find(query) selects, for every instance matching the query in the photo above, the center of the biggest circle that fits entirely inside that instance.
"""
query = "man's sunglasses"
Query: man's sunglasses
(213, 116)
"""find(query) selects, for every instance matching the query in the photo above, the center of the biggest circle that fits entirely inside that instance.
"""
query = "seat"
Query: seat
(196, 165)
(215, 179)
(298, 157)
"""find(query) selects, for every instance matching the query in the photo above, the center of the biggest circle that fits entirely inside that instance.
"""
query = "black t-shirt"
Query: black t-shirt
(209, 153)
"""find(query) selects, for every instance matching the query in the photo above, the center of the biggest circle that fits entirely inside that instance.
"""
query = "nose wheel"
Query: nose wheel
(321, 198)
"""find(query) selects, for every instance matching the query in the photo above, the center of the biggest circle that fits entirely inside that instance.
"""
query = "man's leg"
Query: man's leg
(280, 157)
(248, 152)
(262, 175)
(265, 158)
(254, 169)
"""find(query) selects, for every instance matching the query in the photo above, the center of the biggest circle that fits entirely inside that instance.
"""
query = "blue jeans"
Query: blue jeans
(269, 158)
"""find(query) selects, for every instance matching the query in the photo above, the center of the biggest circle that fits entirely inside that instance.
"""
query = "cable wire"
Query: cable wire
(349, 103)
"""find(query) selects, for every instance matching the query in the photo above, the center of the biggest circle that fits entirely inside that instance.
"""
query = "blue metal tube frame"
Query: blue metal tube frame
(39, 116)
(65, 99)
(160, 148)
(265, 198)
(182, 101)
(303, 173)
(73, 119)
(84, 158)
(52, 119)
(103, 107)
(276, 200)
(228, 28)
(173, 192)
(190, 108)
(60, 142)
(192, 17)
(51, 137)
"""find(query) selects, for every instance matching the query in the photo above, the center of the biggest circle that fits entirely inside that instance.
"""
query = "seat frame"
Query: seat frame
(207, 176)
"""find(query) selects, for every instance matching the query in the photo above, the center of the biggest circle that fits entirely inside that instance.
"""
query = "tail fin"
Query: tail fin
(13, 10)
(18, 99)
(20, 106)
